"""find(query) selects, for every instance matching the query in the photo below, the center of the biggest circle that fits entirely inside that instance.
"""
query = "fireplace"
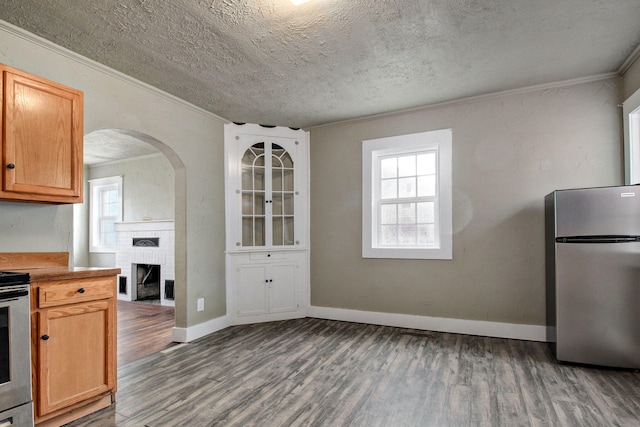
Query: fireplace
(147, 282)
(145, 255)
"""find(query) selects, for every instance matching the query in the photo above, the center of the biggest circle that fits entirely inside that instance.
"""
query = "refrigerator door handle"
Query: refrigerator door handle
(598, 239)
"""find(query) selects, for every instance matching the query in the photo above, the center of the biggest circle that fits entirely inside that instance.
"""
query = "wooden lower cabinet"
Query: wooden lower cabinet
(73, 348)
(76, 351)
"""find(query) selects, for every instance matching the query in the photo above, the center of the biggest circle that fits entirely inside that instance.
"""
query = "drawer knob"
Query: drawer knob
(81, 291)
(44, 337)
(11, 166)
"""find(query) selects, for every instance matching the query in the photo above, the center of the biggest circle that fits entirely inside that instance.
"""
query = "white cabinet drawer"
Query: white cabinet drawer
(267, 256)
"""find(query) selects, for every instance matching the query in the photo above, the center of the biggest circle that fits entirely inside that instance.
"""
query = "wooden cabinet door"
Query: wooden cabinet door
(76, 354)
(42, 139)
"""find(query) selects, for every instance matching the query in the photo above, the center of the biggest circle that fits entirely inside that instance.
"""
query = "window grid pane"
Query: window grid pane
(108, 208)
(408, 200)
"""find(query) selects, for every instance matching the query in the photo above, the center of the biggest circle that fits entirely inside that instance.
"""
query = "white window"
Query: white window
(406, 201)
(631, 118)
(105, 209)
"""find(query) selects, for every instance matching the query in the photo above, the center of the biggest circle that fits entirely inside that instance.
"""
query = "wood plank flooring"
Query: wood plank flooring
(311, 372)
(143, 329)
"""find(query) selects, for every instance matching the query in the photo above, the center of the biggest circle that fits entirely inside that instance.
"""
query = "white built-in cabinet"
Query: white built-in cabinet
(267, 222)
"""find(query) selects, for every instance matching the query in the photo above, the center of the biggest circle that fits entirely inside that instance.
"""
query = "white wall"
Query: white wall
(148, 192)
(509, 151)
(191, 138)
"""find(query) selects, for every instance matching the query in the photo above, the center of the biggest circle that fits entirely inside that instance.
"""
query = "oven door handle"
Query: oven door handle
(12, 295)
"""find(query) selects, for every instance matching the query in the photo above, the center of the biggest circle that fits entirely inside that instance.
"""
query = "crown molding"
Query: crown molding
(629, 61)
(486, 96)
(49, 45)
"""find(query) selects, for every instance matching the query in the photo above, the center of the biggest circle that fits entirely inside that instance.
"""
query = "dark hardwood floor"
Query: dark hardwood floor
(312, 372)
(143, 329)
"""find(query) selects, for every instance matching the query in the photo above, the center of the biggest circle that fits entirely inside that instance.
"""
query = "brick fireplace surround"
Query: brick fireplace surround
(128, 255)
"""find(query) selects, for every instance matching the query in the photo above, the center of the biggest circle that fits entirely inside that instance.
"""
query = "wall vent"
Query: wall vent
(152, 242)
(168, 289)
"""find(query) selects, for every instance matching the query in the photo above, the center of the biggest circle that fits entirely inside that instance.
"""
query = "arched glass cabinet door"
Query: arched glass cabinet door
(282, 195)
(253, 196)
(268, 215)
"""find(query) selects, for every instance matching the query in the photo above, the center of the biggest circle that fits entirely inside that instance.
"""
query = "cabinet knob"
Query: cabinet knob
(11, 166)
(81, 291)
(44, 337)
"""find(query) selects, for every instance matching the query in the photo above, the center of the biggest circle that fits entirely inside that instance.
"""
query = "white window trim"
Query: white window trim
(96, 185)
(631, 122)
(440, 140)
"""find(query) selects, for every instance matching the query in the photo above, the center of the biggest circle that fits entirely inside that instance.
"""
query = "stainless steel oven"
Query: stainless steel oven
(16, 408)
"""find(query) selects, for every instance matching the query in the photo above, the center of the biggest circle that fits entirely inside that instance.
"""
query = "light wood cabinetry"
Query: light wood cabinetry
(73, 335)
(267, 222)
(73, 361)
(73, 343)
(75, 358)
(42, 139)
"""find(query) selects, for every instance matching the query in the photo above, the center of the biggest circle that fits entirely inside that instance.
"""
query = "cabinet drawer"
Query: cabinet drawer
(267, 256)
(72, 291)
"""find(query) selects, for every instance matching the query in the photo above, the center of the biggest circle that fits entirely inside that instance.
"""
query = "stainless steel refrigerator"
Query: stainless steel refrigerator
(593, 275)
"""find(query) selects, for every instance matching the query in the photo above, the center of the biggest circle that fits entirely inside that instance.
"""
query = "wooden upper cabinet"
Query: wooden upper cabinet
(42, 139)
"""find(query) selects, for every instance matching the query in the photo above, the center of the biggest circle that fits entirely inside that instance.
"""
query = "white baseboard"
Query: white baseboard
(438, 324)
(275, 317)
(200, 330)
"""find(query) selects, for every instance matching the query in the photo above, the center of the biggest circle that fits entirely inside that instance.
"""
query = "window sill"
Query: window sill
(102, 250)
(408, 253)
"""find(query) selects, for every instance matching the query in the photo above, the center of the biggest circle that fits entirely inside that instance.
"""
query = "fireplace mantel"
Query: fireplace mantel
(162, 225)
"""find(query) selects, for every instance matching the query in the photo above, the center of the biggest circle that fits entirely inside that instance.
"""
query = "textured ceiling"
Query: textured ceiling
(267, 61)
(110, 145)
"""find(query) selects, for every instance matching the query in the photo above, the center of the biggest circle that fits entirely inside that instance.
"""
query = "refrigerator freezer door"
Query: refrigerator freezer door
(598, 304)
(598, 211)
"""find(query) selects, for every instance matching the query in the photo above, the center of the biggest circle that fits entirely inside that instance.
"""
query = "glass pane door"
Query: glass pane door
(267, 196)
(253, 196)
(282, 194)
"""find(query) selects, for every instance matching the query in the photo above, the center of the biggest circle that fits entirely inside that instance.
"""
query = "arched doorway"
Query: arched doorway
(152, 188)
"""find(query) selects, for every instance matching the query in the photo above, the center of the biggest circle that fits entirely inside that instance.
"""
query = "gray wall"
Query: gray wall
(631, 79)
(190, 138)
(148, 191)
(509, 151)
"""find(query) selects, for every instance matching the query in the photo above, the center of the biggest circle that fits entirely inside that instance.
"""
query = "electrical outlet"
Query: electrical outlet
(200, 304)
